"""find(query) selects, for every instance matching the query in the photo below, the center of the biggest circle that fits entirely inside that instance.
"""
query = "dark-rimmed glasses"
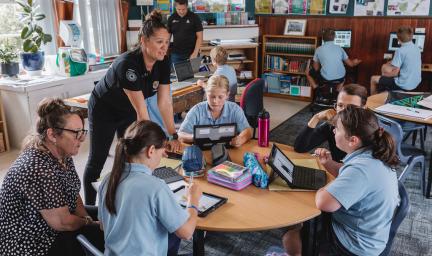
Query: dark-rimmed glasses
(79, 134)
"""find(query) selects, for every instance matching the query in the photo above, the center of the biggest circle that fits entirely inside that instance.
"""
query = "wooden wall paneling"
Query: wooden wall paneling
(369, 39)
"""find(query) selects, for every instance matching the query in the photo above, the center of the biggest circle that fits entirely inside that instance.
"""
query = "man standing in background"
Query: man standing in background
(186, 28)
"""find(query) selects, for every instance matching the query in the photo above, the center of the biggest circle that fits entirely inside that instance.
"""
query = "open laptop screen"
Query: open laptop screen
(281, 163)
(207, 135)
(183, 70)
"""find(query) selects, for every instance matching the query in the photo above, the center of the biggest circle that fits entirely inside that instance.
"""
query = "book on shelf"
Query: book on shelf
(284, 46)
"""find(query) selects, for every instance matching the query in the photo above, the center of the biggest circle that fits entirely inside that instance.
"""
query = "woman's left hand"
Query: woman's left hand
(237, 141)
(174, 146)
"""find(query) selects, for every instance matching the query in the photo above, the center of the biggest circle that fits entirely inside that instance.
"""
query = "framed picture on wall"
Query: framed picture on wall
(295, 27)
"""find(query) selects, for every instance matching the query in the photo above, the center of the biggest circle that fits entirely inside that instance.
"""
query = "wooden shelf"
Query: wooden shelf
(284, 72)
(230, 46)
(287, 96)
(239, 61)
(289, 54)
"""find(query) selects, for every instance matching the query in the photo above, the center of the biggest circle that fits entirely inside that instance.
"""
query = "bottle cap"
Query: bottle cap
(264, 114)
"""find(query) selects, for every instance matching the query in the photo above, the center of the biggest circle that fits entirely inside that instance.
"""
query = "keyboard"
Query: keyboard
(180, 85)
(307, 178)
(167, 174)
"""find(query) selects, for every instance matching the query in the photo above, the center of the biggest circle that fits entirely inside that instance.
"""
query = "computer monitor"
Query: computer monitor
(418, 39)
(342, 38)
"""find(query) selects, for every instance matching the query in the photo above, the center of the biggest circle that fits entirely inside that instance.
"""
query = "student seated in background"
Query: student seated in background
(137, 210)
(41, 210)
(216, 110)
(314, 134)
(403, 72)
(328, 62)
(219, 57)
(364, 195)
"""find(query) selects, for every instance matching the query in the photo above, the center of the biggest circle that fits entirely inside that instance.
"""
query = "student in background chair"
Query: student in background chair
(328, 62)
(216, 110)
(364, 195)
(137, 210)
(314, 134)
(404, 71)
(219, 57)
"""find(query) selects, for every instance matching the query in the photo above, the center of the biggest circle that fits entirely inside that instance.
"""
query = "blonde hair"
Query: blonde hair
(405, 34)
(217, 82)
(219, 55)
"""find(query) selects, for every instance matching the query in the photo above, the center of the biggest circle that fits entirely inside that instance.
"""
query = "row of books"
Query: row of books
(230, 175)
(283, 64)
(292, 48)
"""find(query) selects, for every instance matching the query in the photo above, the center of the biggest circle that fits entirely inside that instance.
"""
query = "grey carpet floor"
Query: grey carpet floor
(414, 236)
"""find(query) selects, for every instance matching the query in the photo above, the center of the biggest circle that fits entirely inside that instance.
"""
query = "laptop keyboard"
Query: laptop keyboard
(304, 176)
(167, 174)
(180, 85)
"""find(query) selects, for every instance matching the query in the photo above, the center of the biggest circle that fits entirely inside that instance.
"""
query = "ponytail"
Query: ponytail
(138, 136)
(363, 123)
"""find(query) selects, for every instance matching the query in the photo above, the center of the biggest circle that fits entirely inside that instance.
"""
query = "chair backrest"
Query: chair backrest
(89, 249)
(395, 130)
(400, 214)
(252, 98)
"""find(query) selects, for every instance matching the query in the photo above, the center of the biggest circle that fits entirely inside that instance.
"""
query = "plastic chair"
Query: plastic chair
(252, 102)
(89, 248)
(325, 95)
(400, 214)
(408, 155)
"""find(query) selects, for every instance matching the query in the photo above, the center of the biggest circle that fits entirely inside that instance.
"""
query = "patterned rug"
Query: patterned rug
(414, 236)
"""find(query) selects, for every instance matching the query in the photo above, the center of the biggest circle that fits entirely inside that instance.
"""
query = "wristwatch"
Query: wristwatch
(174, 136)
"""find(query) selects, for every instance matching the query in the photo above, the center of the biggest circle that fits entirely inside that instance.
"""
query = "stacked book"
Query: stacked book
(230, 175)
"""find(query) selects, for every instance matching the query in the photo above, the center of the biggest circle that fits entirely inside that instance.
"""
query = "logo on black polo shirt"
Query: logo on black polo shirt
(175, 21)
(187, 21)
(131, 75)
(155, 85)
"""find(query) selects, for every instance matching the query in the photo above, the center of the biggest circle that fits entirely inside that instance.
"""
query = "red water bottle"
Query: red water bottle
(263, 128)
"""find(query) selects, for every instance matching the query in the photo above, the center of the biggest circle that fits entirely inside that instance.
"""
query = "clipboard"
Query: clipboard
(207, 204)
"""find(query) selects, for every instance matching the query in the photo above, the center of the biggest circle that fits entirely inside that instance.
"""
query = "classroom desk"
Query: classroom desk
(183, 99)
(377, 100)
(255, 209)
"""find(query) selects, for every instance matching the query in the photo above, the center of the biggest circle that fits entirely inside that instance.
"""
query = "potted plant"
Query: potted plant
(8, 60)
(32, 57)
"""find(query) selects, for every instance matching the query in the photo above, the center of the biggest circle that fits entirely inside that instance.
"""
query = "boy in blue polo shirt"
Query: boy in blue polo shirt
(328, 65)
(404, 71)
(216, 110)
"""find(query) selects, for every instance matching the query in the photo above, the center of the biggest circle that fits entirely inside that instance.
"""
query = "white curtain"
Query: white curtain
(47, 24)
(100, 28)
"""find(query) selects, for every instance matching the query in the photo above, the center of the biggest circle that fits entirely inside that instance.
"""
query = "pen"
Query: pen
(412, 110)
(327, 152)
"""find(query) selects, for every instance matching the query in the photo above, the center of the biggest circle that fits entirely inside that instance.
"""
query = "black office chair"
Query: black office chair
(400, 214)
(252, 102)
(325, 95)
(89, 248)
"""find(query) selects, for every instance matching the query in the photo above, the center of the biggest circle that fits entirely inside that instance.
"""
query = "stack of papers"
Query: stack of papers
(405, 111)
(231, 41)
(426, 102)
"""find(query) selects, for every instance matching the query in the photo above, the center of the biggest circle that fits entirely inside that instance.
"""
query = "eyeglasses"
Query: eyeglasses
(79, 134)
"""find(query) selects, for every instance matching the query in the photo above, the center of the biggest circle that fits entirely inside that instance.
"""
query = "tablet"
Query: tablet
(207, 203)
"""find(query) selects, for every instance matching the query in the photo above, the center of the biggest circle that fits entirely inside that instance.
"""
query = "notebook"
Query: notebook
(405, 111)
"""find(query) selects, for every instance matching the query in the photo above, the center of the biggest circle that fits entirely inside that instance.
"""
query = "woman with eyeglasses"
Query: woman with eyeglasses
(41, 210)
(319, 128)
(135, 87)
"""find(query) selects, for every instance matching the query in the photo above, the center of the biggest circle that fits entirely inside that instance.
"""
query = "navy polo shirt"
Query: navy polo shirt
(128, 71)
(184, 31)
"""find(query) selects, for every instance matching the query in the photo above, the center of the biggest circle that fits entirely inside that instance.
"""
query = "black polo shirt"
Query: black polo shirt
(128, 71)
(184, 32)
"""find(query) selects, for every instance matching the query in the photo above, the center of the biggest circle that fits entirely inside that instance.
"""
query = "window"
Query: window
(10, 26)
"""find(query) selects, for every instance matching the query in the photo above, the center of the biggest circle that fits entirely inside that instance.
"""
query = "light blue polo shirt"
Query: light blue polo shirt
(408, 59)
(229, 72)
(146, 213)
(200, 114)
(367, 189)
(154, 113)
(331, 57)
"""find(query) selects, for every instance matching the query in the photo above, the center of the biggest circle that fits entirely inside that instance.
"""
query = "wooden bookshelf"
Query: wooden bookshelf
(285, 60)
(4, 139)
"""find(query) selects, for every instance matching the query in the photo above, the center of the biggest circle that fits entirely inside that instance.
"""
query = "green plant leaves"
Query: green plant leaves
(39, 16)
(27, 32)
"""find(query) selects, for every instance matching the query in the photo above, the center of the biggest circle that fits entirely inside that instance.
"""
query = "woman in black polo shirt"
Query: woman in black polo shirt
(136, 87)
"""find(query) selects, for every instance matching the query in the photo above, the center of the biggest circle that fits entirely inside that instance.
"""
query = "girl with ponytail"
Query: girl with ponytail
(364, 195)
(137, 210)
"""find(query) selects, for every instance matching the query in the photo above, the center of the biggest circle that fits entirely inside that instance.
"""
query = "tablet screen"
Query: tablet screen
(206, 202)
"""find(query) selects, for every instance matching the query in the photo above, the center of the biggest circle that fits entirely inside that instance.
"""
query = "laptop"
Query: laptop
(205, 136)
(196, 66)
(184, 72)
(294, 175)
